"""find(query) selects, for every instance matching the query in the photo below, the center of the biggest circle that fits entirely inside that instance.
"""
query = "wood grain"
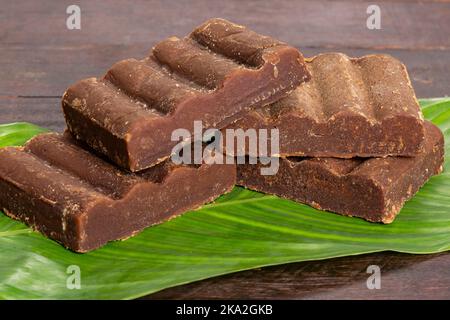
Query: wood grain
(402, 277)
(48, 71)
(45, 112)
(40, 57)
(404, 24)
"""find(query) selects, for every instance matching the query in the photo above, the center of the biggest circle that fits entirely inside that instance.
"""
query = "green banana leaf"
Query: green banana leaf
(241, 230)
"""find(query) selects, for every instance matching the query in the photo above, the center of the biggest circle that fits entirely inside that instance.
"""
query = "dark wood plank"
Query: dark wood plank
(41, 57)
(405, 24)
(48, 71)
(402, 277)
(45, 112)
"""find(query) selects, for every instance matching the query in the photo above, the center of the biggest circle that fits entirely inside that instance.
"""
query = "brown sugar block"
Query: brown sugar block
(76, 198)
(374, 189)
(351, 107)
(216, 74)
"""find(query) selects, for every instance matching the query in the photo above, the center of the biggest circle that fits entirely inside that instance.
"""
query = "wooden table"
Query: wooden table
(40, 57)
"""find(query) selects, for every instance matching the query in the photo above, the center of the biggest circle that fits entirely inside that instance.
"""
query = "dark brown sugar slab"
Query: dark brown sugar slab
(216, 74)
(74, 197)
(374, 189)
(351, 107)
